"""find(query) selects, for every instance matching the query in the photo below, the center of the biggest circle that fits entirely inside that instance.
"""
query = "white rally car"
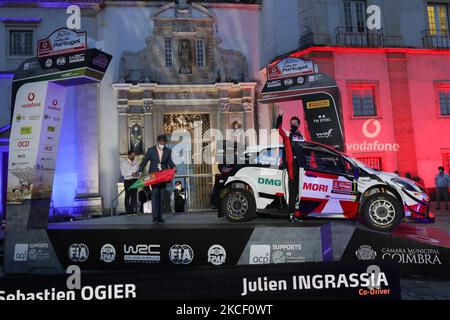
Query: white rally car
(332, 185)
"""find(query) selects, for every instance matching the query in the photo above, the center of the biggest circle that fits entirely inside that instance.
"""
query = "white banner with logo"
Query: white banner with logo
(35, 132)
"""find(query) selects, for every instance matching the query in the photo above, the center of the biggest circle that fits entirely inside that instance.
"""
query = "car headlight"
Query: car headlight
(405, 184)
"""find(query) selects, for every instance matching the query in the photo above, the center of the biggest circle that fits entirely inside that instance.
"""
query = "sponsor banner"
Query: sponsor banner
(322, 115)
(62, 41)
(29, 103)
(140, 249)
(290, 67)
(92, 58)
(36, 105)
(49, 141)
(31, 252)
(332, 280)
(414, 258)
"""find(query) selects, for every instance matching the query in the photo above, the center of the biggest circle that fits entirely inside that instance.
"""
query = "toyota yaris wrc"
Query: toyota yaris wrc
(331, 184)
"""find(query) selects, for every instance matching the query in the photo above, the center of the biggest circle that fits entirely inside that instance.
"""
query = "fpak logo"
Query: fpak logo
(217, 255)
(78, 252)
(108, 253)
(21, 252)
(259, 254)
(181, 254)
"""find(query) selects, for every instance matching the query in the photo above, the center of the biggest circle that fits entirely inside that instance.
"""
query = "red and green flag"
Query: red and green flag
(154, 178)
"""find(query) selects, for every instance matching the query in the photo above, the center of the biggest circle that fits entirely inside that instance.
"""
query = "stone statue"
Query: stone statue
(182, 4)
(185, 56)
(136, 139)
(135, 67)
(230, 65)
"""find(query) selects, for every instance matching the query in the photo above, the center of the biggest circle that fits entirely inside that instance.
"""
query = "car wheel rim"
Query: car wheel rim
(382, 212)
(237, 206)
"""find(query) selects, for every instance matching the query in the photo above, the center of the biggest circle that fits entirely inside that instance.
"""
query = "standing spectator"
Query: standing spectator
(129, 170)
(442, 183)
(179, 195)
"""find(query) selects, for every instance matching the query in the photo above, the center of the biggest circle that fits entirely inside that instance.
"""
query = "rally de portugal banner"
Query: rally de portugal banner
(36, 125)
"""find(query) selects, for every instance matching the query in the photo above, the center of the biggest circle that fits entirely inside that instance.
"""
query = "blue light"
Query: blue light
(51, 4)
(6, 75)
(13, 19)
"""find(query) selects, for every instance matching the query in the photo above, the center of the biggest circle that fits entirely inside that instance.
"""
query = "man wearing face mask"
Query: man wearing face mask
(128, 169)
(293, 157)
(160, 158)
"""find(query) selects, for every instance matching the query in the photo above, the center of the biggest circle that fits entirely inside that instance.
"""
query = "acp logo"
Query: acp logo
(23, 144)
(269, 182)
(31, 96)
(373, 132)
(259, 254)
(21, 252)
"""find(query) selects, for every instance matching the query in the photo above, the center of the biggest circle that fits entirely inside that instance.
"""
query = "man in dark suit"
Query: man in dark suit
(160, 158)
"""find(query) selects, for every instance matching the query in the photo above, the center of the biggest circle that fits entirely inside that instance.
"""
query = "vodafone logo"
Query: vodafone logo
(23, 144)
(371, 128)
(55, 102)
(31, 96)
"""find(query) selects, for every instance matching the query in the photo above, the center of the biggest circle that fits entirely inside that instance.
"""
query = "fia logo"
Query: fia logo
(181, 254)
(78, 252)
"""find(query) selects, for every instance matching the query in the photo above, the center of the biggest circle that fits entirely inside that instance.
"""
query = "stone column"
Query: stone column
(87, 201)
(402, 113)
(147, 109)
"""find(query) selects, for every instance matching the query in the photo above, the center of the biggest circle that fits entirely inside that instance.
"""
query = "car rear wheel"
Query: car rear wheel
(239, 205)
(382, 212)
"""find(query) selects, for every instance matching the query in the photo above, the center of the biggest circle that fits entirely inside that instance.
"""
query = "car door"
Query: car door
(269, 177)
(328, 187)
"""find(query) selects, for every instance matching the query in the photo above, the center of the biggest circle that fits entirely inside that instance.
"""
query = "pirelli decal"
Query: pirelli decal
(318, 104)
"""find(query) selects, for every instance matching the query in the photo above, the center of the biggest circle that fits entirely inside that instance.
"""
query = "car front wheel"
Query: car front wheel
(382, 212)
(238, 205)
